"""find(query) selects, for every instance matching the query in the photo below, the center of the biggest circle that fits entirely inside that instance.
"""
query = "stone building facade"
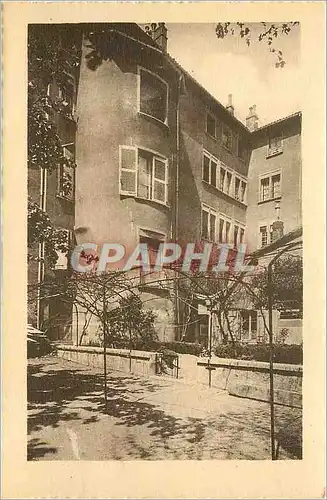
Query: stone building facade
(158, 158)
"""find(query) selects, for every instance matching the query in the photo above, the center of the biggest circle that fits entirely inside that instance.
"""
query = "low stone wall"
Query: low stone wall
(248, 379)
(137, 362)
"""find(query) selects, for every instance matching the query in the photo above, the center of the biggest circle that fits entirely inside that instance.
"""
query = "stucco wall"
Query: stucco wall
(289, 163)
(110, 119)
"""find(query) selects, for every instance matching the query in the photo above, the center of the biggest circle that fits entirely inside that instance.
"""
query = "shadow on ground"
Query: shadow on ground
(51, 390)
(64, 392)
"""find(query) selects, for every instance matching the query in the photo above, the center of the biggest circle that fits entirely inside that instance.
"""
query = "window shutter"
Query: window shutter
(128, 170)
(159, 180)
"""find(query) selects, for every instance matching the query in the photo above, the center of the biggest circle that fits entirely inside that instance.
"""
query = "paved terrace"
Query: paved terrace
(152, 418)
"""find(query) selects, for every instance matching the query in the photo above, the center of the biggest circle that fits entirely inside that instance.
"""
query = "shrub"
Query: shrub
(184, 347)
(260, 352)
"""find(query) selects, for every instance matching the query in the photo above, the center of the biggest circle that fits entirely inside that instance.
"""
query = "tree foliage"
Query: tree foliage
(287, 284)
(130, 323)
(47, 62)
(269, 35)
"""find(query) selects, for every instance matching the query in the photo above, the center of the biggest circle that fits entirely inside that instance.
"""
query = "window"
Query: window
(153, 240)
(228, 182)
(275, 186)
(264, 189)
(237, 187)
(208, 224)
(265, 235)
(211, 125)
(224, 230)
(66, 176)
(143, 174)
(240, 189)
(227, 138)
(153, 96)
(270, 187)
(222, 178)
(238, 236)
(275, 146)
(210, 169)
(249, 323)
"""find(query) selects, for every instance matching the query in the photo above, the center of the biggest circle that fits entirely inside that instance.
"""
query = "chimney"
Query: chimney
(252, 120)
(160, 36)
(158, 33)
(230, 106)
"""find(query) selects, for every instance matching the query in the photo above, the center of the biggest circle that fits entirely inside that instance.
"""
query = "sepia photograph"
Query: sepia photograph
(154, 170)
(163, 225)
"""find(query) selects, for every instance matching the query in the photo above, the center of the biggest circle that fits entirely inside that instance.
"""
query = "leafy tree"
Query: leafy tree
(287, 284)
(269, 35)
(47, 62)
(130, 324)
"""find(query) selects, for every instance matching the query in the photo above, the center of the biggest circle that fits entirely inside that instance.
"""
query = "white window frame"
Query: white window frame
(237, 195)
(135, 170)
(211, 158)
(223, 188)
(208, 113)
(210, 211)
(155, 156)
(225, 219)
(240, 226)
(221, 166)
(268, 224)
(270, 175)
(139, 71)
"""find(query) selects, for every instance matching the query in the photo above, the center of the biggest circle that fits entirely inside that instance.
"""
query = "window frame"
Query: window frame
(268, 225)
(277, 150)
(225, 219)
(241, 227)
(215, 160)
(210, 211)
(208, 113)
(155, 156)
(139, 76)
(237, 196)
(270, 175)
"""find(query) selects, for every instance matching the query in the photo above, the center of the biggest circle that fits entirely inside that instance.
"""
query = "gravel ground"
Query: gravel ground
(151, 418)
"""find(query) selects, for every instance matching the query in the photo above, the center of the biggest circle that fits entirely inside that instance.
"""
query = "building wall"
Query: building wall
(194, 140)
(106, 121)
(110, 119)
(289, 163)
